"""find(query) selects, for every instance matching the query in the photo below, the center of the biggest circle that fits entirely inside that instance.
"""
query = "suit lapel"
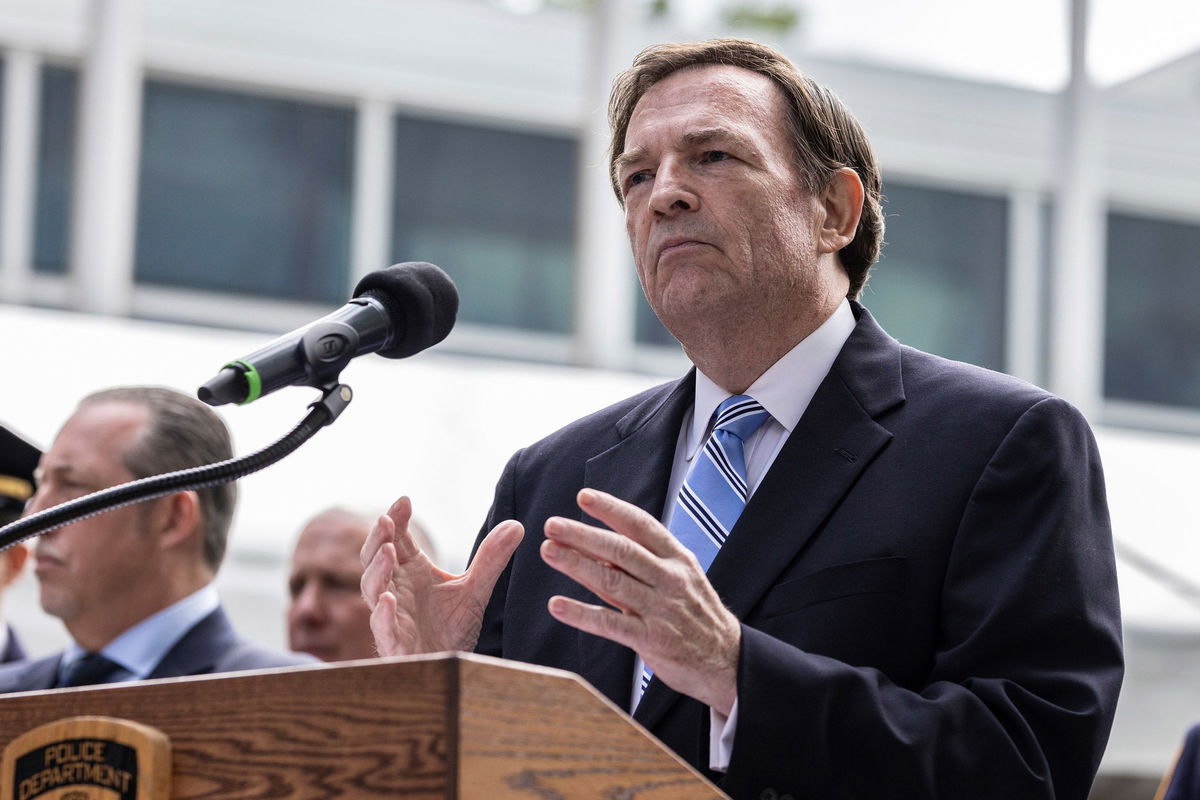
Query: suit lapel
(41, 673)
(835, 440)
(637, 469)
(197, 650)
(13, 651)
(824, 456)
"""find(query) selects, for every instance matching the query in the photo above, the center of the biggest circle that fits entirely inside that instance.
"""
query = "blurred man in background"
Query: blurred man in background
(134, 586)
(327, 616)
(18, 460)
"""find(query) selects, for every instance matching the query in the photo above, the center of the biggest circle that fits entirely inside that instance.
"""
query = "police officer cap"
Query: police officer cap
(18, 459)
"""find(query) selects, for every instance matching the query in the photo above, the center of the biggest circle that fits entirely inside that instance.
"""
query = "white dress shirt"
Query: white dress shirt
(138, 650)
(784, 390)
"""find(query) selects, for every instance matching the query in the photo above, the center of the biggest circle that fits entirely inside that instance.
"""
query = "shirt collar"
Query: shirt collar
(139, 649)
(787, 386)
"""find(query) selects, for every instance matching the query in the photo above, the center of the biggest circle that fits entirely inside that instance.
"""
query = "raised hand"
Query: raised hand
(417, 607)
(664, 606)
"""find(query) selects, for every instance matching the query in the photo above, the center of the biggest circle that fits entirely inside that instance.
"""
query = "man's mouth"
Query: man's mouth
(677, 245)
(45, 561)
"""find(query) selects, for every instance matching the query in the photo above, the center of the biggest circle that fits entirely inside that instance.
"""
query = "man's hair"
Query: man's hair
(182, 432)
(825, 135)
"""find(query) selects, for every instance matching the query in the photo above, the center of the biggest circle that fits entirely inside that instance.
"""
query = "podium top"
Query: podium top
(436, 726)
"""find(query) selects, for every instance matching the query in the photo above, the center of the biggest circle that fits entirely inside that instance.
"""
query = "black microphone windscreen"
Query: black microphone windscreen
(421, 300)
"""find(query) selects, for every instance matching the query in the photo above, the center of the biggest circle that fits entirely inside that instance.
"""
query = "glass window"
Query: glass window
(56, 153)
(1152, 330)
(242, 193)
(496, 210)
(940, 285)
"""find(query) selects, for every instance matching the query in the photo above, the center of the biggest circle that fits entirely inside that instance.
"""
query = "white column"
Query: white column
(18, 160)
(1077, 277)
(374, 152)
(604, 277)
(103, 214)
(1023, 303)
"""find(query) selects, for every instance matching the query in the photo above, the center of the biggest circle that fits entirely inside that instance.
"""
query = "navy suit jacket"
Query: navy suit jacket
(925, 580)
(211, 645)
(13, 651)
(1185, 775)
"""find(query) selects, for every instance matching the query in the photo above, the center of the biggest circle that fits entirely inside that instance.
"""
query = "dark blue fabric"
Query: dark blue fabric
(925, 578)
(211, 645)
(13, 651)
(1185, 780)
(91, 669)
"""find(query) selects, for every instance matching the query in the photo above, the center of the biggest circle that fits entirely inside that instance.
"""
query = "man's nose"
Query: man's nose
(673, 191)
(309, 604)
(35, 503)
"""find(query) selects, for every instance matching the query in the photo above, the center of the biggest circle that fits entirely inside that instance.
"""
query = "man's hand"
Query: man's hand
(666, 609)
(417, 607)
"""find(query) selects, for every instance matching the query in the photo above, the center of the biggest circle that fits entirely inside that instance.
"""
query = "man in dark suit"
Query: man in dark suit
(919, 598)
(18, 460)
(134, 586)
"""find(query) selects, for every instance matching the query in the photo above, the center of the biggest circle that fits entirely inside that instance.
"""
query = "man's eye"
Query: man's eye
(636, 178)
(72, 489)
(711, 156)
(348, 584)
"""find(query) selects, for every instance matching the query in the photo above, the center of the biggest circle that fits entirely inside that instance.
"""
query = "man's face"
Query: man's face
(95, 569)
(327, 616)
(721, 225)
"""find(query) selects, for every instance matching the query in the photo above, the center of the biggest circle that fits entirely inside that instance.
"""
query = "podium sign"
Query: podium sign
(88, 758)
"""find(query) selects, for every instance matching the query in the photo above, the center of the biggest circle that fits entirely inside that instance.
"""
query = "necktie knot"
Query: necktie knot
(91, 669)
(740, 415)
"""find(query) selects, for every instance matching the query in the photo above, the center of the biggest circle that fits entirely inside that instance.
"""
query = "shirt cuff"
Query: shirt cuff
(720, 737)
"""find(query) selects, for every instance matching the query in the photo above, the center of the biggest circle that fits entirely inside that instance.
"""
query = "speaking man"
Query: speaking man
(822, 564)
(134, 586)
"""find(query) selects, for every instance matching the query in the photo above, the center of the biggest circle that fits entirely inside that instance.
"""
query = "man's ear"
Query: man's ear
(177, 518)
(14, 561)
(842, 202)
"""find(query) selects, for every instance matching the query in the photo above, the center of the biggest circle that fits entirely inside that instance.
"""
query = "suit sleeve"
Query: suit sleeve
(1023, 680)
(490, 641)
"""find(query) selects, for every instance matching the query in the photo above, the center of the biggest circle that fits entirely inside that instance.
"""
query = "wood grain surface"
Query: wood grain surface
(532, 732)
(384, 728)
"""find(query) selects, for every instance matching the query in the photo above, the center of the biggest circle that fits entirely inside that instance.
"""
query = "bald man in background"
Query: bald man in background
(327, 616)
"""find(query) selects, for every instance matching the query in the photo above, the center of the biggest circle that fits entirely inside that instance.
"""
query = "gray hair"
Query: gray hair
(182, 432)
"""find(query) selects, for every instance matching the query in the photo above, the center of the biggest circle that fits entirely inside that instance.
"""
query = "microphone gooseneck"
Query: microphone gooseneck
(322, 412)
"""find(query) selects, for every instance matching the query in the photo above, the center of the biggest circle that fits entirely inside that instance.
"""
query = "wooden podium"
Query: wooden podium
(443, 726)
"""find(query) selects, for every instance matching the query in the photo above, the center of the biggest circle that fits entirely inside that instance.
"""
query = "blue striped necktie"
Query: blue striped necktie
(716, 488)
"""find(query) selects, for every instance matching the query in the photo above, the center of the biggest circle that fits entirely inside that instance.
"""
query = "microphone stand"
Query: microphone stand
(335, 398)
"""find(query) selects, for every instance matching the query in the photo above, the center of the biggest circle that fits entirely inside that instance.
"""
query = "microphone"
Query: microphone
(397, 312)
